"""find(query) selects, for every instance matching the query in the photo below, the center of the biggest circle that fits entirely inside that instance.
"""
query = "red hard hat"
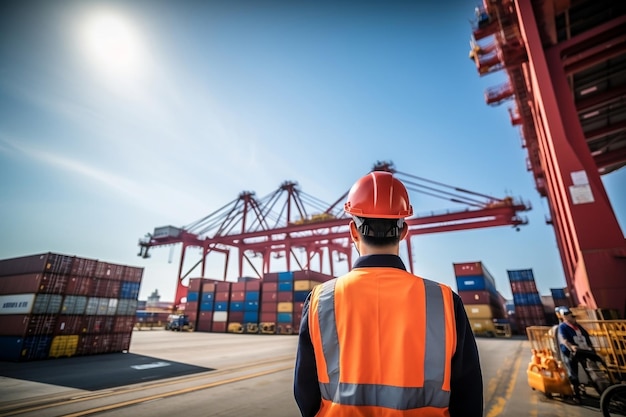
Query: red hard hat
(379, 195)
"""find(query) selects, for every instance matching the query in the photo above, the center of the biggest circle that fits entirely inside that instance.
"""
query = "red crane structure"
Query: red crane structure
(288, 221)
(565, 64)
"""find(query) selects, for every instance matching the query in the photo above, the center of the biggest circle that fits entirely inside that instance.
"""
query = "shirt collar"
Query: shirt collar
(369, 261)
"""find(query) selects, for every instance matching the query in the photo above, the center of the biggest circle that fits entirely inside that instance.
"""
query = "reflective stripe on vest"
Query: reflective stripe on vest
(400, 398)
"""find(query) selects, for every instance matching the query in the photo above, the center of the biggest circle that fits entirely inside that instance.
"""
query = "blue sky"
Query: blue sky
(205, 100)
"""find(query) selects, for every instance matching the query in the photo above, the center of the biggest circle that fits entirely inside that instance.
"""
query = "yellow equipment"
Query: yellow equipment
(545, 371)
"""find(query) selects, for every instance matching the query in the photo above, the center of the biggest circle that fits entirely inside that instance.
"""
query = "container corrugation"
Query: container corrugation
(71, 324)
(84, 267)
(79, 286)
(63, 346)
(74, 304)
(521, 275)
(47, 304)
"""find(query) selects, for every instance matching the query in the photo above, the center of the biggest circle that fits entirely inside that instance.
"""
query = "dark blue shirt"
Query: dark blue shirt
(466, 385)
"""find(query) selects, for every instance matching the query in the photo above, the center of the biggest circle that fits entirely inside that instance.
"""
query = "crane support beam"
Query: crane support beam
(590, 240)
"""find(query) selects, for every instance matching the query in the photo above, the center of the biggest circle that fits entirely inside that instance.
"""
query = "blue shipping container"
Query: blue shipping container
(285, 317)
(206, 305)
(250, 317)
(473, 283)
(285, 276)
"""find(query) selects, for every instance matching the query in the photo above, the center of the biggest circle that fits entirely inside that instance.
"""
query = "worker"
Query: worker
(575, 345)
(380, 340)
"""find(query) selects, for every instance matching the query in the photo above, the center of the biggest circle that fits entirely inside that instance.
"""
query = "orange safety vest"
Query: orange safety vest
(384, 341)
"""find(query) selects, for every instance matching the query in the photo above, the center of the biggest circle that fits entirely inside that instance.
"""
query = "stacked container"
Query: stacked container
(56, 305)
(272, 305)
(561, 297)
(483, 304)
(529, 309)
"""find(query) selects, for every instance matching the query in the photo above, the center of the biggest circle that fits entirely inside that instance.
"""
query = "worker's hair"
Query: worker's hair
(380, 232)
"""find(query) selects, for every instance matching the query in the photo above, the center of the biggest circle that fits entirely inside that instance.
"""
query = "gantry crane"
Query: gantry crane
(565, 63)
(289, 220)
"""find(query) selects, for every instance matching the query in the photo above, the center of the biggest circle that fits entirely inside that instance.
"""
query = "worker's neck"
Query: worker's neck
(375, 250)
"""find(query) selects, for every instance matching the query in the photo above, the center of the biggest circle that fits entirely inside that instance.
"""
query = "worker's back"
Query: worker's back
(394, 331)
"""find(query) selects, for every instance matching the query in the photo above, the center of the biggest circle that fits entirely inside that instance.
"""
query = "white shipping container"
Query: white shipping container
(17, 303)
(220, 316)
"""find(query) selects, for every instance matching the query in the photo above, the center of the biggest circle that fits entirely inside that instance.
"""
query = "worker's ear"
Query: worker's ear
(354, 233)
(404, 232)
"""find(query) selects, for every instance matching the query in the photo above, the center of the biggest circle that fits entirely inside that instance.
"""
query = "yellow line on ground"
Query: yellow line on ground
(174, 393)
(500, 401)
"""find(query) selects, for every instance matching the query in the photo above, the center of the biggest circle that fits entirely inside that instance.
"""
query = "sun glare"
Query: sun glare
(112, 44)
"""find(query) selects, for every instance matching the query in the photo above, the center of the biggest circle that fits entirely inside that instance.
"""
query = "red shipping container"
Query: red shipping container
(298, 307)
(41, 324)
(269, 307)
(193, 316)
(222, 296)
(270, 277)
(78, 286)
(195, 285)
(238, 286)
(269, 287)
(204, 324)
(223, 286)
(468, 268)
(100, 324)
(113, 289)
(268, 317)
(20, 284)
(285, 296)
(191, 307)
(71, 324)
(208, 287)
(123, 324)
(253, 285)
(219, 327)
(14, 325)
(237, 295)
(269, 296)
(84, 267)
(235, 316)
(476, 297)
